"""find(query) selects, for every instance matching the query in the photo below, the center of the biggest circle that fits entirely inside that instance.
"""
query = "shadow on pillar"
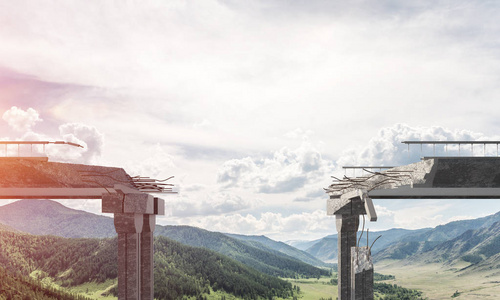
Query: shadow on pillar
(361, 274)
(147, 249)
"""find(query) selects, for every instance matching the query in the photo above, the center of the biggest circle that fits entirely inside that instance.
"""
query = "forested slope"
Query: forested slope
(14, 286)
(180, 270)
(71, 261)
(272, 263)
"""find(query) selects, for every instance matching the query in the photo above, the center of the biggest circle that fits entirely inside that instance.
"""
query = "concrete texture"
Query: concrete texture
(138, 203)
(28, 173)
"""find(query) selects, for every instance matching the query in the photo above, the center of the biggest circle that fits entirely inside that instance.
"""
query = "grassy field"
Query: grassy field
(314, 289)
(441, 282)
(435, 280)
(94, 290)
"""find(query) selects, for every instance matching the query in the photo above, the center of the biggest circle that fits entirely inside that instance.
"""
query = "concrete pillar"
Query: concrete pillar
(129, 227)
(147, 265)
(135, 216)
(347, 226)
(361, 274)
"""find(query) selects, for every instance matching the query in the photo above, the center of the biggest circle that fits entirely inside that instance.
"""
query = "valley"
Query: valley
(440, 281)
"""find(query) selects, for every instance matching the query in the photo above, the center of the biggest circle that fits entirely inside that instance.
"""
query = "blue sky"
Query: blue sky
(253, 105)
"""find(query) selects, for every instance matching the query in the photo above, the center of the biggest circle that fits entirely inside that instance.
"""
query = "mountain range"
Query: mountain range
(325, 249)
(480, 247)
(52, 218)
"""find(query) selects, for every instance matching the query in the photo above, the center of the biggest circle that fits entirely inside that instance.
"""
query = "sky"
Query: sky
(253, 105)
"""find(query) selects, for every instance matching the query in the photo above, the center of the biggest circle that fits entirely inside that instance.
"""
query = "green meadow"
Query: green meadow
(439, 281)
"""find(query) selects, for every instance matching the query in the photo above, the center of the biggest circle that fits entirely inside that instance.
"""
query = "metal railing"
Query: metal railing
(31, 143)
(446, 143)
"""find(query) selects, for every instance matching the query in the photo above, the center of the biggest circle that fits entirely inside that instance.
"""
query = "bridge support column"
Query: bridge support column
(347, 227)
(129, 228)
(347, 210)
(135, 217)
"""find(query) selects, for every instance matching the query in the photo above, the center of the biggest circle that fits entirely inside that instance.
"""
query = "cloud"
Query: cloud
(299, 133)
(87, 136)
(386, 149)
(420, 216)
(285, 171)
(275, 225)
(153, 161)
(21, 120)
(205, 204)
(312, 193)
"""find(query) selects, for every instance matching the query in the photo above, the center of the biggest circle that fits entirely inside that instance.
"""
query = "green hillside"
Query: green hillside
(271, 263)
(180, 270)
(69, 261)
(13, 286)
(267, 244)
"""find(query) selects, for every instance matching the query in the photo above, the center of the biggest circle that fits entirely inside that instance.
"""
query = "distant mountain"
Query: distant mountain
(452, 230)
(472, 246)
(301, 244)
(47, 217)
(419, 242)
(408, 242)
(267, 244)
(480, 247)
(326, 248)
(267, 261)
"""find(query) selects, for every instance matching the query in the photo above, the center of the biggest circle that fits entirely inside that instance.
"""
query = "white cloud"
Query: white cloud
(203, 124)
(299, 133)
(275, 225)
(384, 211)
(460, 217)
(285, 171)
(87, 136)
(207, 203)
(386, 149)
(153, 161)
(21, 120)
